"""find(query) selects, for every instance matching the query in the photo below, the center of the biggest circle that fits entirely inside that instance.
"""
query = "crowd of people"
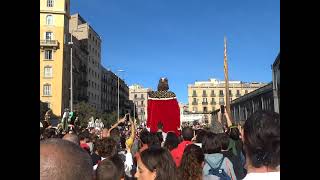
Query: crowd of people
(127, 151)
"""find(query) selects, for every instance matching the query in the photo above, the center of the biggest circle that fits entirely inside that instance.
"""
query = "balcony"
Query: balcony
(49, 44)
(213, 103)
(194, 95)
(204, 95)
(238, 95)
(230, 94)
(213, 95)
(139, 98)
(221, 103)
(221, 95)
(204, 103)
(194, 103)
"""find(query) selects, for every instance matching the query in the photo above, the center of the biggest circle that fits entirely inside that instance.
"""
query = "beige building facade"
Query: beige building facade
(54, 54)
(139, 96)
(80, 29)
(207, 96)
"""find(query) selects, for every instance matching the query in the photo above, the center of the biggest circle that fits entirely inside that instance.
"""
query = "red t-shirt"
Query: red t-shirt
(178, 152)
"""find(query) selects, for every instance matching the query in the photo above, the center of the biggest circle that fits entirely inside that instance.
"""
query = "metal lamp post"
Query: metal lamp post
(71, 72)
(120, 70)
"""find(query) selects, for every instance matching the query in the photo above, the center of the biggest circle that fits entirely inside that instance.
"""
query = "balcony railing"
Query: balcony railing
(213, 103)
(204, 95)
(194, 95)
(204, 103)
(194, 103)
(49, 43)
(213, 95)
(221, 103)
(221, 95)
(238, 95)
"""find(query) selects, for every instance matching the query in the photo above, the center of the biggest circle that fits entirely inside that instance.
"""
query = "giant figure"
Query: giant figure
(163, 107)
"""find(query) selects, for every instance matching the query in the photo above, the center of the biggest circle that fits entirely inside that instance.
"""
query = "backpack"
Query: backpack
(218, 171)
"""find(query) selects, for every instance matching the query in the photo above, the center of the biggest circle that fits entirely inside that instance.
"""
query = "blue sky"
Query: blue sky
(183, 39)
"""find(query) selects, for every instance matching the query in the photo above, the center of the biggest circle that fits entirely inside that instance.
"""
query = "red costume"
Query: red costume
(163, 107)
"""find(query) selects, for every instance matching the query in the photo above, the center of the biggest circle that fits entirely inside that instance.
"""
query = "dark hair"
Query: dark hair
(171, 141)
(262, 139)
(106, 147)
(144, 136)
(49, 133)
(160, 137)
(211, 144)
(191, 163)
(61, 159)
(224, 140)
(110, 169)
(84, 135)
(187, 133)
(200, 134)
(114, 132)
(234, 133)
(159, 159)
(154, 140)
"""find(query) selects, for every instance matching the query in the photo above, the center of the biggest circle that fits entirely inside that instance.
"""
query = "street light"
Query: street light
(71, 71)
(120, 70)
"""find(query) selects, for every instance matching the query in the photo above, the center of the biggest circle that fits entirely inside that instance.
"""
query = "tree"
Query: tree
(84, 112)
(43, 109)
(109, 119)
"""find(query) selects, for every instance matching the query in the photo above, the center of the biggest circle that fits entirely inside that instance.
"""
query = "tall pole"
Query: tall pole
(118, 97)
(134, 109)
(71, 78)
(226, 79)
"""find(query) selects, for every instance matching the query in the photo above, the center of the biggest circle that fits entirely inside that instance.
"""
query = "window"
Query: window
(135, 96)
(238, 92)
(49, 20)
(194, 109)
(47, 90)
(194, 93)
(141, 102)
(221, 92)
(205, 109)
(194, 100)
(48, 54)
(213, 108)
(204, 92)
(89, 83)
(246, 91)
(204, 99)
(49, 3)
(48, 71)
(49, 35)
(142, 96)
(221, 101)
(230, 93)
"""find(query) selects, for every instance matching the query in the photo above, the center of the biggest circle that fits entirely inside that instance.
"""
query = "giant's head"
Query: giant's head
(163, 84)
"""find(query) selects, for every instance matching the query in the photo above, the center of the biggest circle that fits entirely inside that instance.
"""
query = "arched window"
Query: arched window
(47, 89)
(49, 20)
(47, 71)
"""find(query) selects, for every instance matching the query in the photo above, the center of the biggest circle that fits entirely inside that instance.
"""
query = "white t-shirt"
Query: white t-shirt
(263, 176)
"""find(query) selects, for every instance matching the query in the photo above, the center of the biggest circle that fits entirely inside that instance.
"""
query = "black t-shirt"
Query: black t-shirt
(95, 158)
